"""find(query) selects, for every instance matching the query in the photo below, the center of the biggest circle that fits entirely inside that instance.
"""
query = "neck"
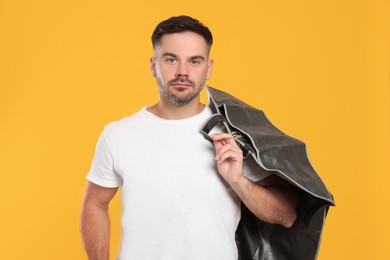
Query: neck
(167, 110)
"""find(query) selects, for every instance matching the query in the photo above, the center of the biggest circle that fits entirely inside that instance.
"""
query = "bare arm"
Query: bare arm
(271, 200)
(95, 222)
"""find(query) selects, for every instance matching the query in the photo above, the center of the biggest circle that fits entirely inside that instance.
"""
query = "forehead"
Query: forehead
(184, 43)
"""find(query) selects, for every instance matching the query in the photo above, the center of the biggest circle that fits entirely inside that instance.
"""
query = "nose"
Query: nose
(182, 70)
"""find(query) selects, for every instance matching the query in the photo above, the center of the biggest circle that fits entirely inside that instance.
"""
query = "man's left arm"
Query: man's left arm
(272, 200)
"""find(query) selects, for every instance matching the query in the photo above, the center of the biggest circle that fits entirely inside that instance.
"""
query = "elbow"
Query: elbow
(289, 219)
(289, 223)
(285, 218)
(290, 214)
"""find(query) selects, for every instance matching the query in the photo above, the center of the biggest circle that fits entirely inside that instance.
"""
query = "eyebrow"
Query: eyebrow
(165, 54)
(169, 54)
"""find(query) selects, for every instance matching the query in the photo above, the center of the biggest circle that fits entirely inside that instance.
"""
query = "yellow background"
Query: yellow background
(319, 69)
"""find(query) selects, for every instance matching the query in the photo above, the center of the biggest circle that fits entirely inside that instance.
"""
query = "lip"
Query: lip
(178, 84)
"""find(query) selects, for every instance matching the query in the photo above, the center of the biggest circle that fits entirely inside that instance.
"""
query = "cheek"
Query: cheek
(164, 73)
(205, 75)
(158, 74)
(208, 73)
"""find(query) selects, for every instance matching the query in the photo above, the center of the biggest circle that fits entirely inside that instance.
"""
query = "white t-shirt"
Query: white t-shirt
(175, 203)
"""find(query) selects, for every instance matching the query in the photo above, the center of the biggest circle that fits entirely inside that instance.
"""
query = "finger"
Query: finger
(219, 144)
(227, 149)
(231, 155)
(223, 137)
(220, 136)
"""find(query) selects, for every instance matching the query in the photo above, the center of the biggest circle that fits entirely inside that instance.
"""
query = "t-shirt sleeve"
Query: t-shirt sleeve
(102, 170)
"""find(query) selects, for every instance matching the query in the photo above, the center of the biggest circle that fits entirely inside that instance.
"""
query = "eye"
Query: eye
(195, 61)
(170, 60)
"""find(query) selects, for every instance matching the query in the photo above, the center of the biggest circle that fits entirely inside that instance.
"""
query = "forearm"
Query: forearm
(95, 229)
(273, 204)
(270, 201)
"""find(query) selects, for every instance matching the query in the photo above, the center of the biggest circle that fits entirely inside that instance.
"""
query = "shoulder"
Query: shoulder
(124, 124)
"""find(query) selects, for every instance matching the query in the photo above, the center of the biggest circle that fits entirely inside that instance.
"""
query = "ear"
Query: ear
(209, 68)
(152, 66)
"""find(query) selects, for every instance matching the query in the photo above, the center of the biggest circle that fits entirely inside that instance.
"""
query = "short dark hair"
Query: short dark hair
(183, 23)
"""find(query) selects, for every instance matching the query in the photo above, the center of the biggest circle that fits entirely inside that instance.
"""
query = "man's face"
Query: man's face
(181, 66)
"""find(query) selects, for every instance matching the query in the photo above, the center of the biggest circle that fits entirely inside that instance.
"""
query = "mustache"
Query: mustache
(181, 80)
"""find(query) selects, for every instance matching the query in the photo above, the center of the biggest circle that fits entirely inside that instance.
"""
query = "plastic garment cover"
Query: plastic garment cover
(267, 151)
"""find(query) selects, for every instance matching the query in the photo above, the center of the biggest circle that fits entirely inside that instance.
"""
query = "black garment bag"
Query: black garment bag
(268, 151)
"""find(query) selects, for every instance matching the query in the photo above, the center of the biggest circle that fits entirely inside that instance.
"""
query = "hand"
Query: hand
(271, 203)
(229, 157)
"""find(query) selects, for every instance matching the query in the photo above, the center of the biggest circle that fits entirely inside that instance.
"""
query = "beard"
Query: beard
(184, 96)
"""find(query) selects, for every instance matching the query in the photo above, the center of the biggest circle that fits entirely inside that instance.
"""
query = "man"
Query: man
(181, 194)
